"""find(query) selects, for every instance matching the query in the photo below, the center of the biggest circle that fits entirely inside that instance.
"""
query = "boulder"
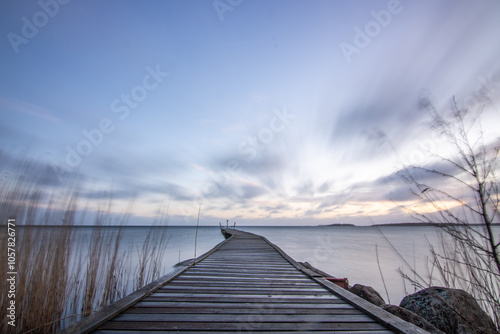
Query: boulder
(411, 317)
(450, 310)
(367, 293)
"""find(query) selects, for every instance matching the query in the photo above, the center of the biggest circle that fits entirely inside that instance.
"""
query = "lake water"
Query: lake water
(342, 251)
(351, 252)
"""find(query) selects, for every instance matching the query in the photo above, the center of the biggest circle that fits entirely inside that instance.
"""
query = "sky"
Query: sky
(280, 112)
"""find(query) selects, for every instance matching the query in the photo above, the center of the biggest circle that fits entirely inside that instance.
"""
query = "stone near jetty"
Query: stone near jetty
(450, 310)
(367, 293)
(411, 317)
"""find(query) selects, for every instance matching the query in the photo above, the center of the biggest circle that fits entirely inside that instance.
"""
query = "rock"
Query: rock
(411, 317)
(450, 310)
(367, 293)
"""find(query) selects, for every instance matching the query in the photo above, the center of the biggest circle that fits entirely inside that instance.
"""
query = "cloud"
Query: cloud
(235, 128)
(276, 209)
(237, 190)
(108, 194)
(398, 186)
(13, 105)
(265, 171)
(29, 171)
(195, 166)
(399, 194)
(386, 115)
(137, 189)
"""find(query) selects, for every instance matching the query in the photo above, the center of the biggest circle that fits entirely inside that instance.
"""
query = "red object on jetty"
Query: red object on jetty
(342, 282)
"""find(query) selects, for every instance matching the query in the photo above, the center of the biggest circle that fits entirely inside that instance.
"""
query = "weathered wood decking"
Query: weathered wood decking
(245, 284)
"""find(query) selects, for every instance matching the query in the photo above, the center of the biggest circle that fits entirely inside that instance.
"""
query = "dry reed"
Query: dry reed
(61, 278)
(465, 202)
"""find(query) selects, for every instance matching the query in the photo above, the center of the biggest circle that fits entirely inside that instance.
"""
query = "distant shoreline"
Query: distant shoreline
(403, 224)
(428, 224)
(243, 226)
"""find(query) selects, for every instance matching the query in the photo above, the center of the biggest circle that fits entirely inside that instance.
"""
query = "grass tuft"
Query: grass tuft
(62, 278)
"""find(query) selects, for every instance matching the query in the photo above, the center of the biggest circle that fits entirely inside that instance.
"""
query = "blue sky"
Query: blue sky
(264, 112)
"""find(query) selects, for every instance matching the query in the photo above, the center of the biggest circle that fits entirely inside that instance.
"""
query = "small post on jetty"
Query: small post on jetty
(196, 234)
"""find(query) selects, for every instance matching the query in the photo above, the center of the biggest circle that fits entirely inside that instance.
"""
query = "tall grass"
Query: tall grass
(455, 264)
(60, 278)
(151, 254)
(463, 190)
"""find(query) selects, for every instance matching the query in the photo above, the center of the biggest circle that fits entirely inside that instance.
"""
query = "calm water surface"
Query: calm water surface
(342, 251)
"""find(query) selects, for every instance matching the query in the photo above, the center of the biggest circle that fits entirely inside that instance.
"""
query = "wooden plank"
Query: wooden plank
(273, 260)
(212, 309)
(263, 275)
(243, 274)
(244, 261)
(243, 289)
(235, 265)
(227, 293)
(244, 280)
(266, 280)
(228, 264)
(225, 318)
(276, 305)
(236, 331)
(295, 295)
(239, 332)
(247, 272)
(242, 269)
(216, 282)
(235, 285)
(246, 300)
(242, 324)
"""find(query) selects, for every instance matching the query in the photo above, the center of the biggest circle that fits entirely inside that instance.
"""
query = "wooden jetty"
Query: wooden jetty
(244, 284)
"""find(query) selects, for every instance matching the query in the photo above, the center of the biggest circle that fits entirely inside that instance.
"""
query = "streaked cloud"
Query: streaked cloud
(260, 118)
